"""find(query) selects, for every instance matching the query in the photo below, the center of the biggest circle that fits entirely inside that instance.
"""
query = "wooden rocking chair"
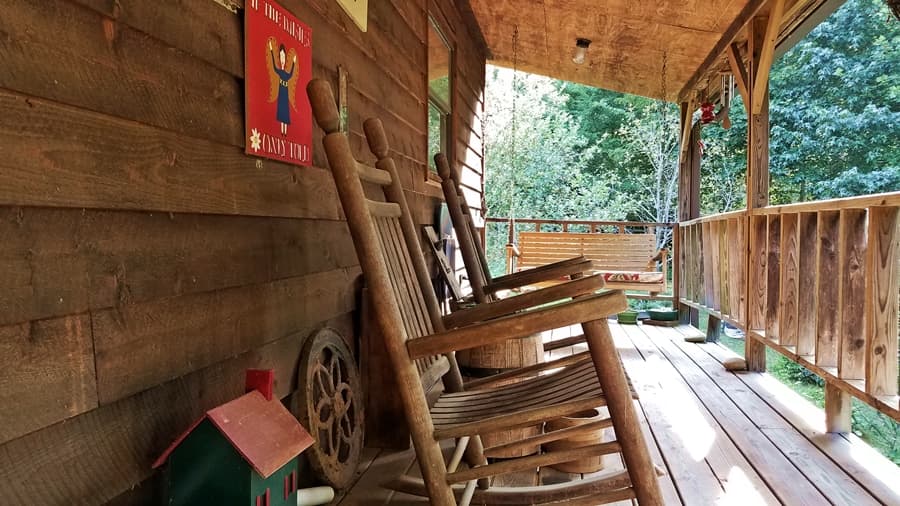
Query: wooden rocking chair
(407, 312)
(484, 286)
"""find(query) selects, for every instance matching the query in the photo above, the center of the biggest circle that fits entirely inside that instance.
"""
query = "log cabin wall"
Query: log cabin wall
(145, 261)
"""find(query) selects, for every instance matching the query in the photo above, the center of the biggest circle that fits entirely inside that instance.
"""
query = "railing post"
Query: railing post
(676, 265)
(882, 300)
(837, 409)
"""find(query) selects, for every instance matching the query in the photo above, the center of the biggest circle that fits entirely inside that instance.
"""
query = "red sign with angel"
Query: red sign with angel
(278, 65)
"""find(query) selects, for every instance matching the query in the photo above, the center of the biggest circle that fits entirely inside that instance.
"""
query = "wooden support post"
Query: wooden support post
(837, 409)
(757, 171)
(763, 60)
(688, 201)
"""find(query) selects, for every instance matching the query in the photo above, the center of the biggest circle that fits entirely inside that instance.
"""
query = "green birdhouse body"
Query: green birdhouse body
(244, 453)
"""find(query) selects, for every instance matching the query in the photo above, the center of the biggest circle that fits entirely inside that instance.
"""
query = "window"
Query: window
(439, 93)
(264, 499)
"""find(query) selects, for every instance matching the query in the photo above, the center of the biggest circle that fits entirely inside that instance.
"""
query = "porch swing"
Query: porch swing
(626, 261)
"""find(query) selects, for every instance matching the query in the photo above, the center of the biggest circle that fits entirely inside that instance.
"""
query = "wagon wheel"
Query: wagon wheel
(329, 403)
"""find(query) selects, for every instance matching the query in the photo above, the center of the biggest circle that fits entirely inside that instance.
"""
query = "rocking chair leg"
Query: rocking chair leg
(474, 453)
(475, 457)
(613, 381)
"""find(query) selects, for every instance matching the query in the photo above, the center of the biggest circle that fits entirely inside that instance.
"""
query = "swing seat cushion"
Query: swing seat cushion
(632, 277)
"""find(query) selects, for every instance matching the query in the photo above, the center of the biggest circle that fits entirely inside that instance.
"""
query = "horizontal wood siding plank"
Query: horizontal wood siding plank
(59, 262)
(64, 52)
(58, 156)
(46, 373)
(141, 345)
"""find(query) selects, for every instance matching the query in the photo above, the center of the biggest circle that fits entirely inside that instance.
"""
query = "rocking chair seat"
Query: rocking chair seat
(573, 389)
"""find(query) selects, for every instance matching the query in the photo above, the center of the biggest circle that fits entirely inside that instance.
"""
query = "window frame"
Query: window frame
(446, 109)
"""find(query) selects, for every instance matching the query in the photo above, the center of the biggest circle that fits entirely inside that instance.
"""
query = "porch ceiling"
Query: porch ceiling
(659, 49)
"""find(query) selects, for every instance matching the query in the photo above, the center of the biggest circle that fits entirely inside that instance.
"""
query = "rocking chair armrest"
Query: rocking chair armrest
(576, 265)
(528, 300)
(580, 310)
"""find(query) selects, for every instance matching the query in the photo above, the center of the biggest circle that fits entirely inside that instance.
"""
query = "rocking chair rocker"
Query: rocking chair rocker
(407, 312)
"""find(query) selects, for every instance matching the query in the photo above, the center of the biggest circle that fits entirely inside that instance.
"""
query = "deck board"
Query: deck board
(707, 466)
(832, 481)
(782, 477)
(721, 437)
(873, 472)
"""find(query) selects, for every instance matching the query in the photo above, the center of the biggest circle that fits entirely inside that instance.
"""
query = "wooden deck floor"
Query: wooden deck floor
(723, 438)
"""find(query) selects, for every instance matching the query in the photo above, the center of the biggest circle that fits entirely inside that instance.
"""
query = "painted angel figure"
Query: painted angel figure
(282, 82)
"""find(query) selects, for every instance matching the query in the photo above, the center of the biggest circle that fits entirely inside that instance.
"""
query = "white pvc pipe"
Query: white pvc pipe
(314, 496)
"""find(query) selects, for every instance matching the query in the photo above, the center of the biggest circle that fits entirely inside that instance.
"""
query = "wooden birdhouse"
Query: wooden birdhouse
(242, 452)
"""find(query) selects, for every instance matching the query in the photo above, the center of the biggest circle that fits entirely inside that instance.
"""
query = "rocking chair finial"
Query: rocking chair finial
(324, 107)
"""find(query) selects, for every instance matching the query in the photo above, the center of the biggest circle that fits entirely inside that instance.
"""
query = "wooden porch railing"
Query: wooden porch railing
(816, 281)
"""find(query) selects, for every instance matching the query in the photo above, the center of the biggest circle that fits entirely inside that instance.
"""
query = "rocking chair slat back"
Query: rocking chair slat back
(406, 289)
(397, 297)
(479, 276)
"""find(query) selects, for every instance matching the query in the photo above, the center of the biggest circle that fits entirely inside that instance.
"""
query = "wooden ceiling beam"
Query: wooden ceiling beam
(747, 13)
(736, 62)
(687, 124)
(761, 79)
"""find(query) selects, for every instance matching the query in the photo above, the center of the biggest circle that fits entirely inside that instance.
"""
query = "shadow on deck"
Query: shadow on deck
(723, 438)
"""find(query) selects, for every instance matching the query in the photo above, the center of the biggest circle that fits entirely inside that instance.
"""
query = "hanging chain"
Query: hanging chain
(664, 89)
(515, 151)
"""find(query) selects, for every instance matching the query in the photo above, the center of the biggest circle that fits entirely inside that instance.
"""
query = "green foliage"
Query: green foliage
(537, 167)
(834, 115)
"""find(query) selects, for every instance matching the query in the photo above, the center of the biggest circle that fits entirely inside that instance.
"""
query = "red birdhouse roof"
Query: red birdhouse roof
(264, 432)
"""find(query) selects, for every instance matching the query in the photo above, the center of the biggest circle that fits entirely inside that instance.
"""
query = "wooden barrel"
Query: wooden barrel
(583, 465)
(499, 357)
(494, 359)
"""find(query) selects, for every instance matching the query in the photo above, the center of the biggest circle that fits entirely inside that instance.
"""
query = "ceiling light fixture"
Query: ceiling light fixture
(581, 47)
